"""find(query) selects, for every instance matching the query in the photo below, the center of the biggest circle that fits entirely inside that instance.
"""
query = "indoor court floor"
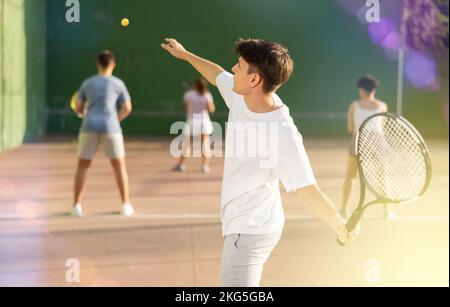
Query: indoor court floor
(175, 237)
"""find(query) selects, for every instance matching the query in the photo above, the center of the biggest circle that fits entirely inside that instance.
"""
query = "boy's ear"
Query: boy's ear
(256, 79)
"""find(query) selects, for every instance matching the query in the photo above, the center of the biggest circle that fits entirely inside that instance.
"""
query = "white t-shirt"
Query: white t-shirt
(261, 149)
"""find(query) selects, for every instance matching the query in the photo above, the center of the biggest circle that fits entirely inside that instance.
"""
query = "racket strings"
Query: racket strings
(407, 162)
(395, 162)
(396, 166)
(391, 158)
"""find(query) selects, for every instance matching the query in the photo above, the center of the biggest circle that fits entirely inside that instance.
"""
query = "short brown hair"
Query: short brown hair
(106, 58)
(201, 86)
(271, 60)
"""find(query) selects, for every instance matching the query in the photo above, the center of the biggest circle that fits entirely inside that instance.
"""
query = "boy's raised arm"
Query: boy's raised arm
(207, 69)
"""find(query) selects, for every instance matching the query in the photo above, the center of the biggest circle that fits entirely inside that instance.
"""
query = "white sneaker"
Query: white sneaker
(127, 210)
(77, 211)
(389, 214)
(206, 169)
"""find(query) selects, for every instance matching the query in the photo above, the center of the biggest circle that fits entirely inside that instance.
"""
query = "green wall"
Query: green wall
(22, 71)
(331, 50)
(43, 60)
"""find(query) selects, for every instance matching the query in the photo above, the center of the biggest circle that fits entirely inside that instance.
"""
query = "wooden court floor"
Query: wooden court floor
(175, 238)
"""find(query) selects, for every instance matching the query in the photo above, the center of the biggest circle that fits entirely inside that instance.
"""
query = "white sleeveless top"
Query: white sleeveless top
(198, 103)
(361, 114)
(198, 120)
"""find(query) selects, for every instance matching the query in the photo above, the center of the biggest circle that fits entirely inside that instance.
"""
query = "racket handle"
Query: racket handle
(352, 222)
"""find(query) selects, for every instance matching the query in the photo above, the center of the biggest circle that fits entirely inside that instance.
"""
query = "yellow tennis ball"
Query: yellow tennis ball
(125, 22)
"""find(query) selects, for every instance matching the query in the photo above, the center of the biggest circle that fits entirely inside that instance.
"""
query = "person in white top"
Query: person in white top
(251, 211)
(198, 103)
(358, 112)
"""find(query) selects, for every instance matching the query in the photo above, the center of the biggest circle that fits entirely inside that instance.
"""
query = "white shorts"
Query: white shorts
(197, 125)
(244, 256)
(113, 145)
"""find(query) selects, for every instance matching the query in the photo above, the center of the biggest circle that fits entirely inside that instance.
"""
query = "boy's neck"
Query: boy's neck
(261, 102)
(105, 73)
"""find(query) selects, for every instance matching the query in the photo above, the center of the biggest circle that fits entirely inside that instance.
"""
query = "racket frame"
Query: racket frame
(359, 211)
(422, 146)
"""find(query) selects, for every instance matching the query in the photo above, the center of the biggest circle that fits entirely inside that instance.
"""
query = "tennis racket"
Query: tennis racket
(393, 163)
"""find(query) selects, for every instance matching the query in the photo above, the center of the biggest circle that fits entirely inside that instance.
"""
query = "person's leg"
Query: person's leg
(186, 152)
(115, 150)
(352, 169)
(80, 179)
(206, 153)
(182, 160)
(388, 213)
(243, 258)
(120, 172)
(87, 146)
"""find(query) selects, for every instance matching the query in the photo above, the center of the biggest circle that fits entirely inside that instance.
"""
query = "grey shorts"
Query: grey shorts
(243, 258)
(113, 145)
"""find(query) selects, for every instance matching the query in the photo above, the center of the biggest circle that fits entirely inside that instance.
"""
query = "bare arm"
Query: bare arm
(80, 108)
(207, 69)
(186, 106)
(321, 206)
(125, 110)
(211, 106)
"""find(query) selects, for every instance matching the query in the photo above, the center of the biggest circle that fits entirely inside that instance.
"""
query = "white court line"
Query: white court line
(203, 216)
(421, 219)
(289, 217)
(175, 216)
(296, 217)
(8, 216)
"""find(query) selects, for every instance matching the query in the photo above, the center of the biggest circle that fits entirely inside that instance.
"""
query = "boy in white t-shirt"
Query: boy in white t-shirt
(263, 146)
